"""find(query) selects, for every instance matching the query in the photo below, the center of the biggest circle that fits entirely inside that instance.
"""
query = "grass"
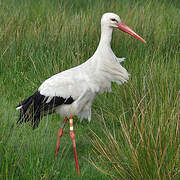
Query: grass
(134, 133)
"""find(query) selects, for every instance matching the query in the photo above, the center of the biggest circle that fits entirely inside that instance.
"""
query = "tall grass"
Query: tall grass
(134, 130)
(143, 140)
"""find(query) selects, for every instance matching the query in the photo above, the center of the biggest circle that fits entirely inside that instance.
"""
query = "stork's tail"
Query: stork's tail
(30, 109)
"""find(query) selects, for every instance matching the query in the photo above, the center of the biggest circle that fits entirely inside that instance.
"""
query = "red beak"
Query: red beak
(128, 30)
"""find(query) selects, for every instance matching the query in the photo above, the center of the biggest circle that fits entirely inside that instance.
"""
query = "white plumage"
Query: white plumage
(82, 83)
(85, 81)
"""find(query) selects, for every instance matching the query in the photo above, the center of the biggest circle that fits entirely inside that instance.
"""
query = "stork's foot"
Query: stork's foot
(72, 135)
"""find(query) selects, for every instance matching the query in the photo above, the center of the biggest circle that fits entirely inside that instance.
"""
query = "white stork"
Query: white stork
(73, 91)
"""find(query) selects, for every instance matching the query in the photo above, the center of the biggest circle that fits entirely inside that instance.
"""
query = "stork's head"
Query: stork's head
(111, 20)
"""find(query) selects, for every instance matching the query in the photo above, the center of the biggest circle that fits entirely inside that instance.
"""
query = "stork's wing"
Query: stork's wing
(69, 83)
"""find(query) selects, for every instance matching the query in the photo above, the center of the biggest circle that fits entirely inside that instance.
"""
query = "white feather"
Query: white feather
(19, 107)
(119, 60)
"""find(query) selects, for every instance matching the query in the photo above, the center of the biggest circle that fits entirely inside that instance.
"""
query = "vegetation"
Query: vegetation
(134, 132)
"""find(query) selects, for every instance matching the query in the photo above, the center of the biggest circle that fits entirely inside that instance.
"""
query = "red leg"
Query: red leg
(74, 143)
(59, 136)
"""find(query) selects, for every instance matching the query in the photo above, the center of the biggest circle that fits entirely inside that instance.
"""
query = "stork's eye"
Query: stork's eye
(114, 20)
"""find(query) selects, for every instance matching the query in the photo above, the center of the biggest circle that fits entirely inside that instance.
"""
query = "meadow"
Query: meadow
(135, 130)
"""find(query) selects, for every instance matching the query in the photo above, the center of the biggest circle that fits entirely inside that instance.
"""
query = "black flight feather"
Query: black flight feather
(35, 107)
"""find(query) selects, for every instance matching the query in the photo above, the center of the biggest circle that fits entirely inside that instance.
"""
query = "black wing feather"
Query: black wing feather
(35, 107)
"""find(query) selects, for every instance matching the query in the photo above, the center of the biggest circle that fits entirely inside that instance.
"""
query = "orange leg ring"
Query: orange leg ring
(73, 136)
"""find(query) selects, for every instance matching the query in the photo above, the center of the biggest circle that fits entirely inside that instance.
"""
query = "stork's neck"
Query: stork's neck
(106, 36)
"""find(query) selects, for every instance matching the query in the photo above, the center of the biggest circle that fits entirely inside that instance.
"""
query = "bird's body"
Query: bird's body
(83, 82)
(75, 89)
(72, 92)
